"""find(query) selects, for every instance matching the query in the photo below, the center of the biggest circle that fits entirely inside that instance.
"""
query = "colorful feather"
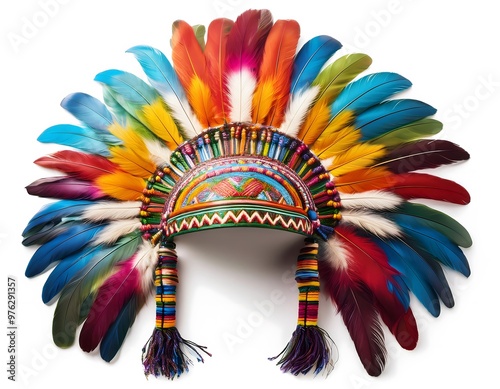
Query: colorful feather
(67, 188)
(83, 166)
(67, 312)
(215, 56)
(126, 282)
(389, 115)
(88, 110)
(163, 77)
(190, 65)
(423, 154)
(81, 138)
(65, 244)
(244, 50)
(272, 93)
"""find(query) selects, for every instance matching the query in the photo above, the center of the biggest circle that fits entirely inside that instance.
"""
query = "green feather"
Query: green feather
(439, 221)
(417, 130)
(67, 315)
(338, 74)
(199, 32)
(125, 119)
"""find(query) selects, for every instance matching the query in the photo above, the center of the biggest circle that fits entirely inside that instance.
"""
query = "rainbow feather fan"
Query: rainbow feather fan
(248, 127)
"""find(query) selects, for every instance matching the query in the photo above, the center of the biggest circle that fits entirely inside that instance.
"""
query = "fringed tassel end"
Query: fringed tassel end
(310, 348)
(165, 353)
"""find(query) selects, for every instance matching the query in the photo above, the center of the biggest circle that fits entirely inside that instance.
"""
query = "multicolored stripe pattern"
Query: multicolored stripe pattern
(307, 278)
(166, 281)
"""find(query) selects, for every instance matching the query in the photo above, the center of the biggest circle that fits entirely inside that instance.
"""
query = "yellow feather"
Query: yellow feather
(316, 121)
(326, 140)
(160, 122)
(133, 156)
(339, 142)
(121, 186)
(200, 97)
(263, 100)
(357, 157)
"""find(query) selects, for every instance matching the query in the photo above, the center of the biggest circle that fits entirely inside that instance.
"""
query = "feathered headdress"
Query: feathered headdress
(246, 128)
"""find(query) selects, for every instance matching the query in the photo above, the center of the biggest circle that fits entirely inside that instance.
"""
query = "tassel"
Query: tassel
(310, 346)
(164, 353)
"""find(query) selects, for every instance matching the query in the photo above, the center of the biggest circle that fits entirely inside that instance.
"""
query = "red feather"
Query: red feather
(356, 304)
(83, 166)
(111, 297)
(215, 55)
(368, 265)
(245, 43)
(406, 185)
(423, 154)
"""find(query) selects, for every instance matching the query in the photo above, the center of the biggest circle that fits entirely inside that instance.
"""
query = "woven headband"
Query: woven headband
(252, 127)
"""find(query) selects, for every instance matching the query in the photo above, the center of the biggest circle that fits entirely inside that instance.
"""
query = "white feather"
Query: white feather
(158, 153)
(336, 253)
(183, 114)
(145, 263)
(372, 199)
(241, 86)
(297, 110)
(111, 210)
(370, 222)
(115, 230)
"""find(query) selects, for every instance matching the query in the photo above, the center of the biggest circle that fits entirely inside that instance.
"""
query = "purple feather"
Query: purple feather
(67, 188)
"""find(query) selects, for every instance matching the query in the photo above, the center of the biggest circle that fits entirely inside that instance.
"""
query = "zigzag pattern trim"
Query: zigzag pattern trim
(184, 223)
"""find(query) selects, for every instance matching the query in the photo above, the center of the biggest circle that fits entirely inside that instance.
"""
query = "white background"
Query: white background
(448, 49)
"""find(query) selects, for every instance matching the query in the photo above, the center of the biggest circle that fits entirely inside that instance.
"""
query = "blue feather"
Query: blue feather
(433, 244)
(81, 138)
(368, 91)
(158, 69)
(65, 270)
(88, 110)
(390, 115)
(54, 212)
(310, 59)
(116, 333)
(416, 273)
(65, 244)
(128, 87)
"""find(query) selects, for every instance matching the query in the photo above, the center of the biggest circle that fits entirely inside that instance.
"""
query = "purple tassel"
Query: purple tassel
(310, 347)
(163, 353)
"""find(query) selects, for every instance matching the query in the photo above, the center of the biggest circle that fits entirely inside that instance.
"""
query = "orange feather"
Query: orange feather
(121, 186)
(215, 55)
(191, 67)
(275, 73)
